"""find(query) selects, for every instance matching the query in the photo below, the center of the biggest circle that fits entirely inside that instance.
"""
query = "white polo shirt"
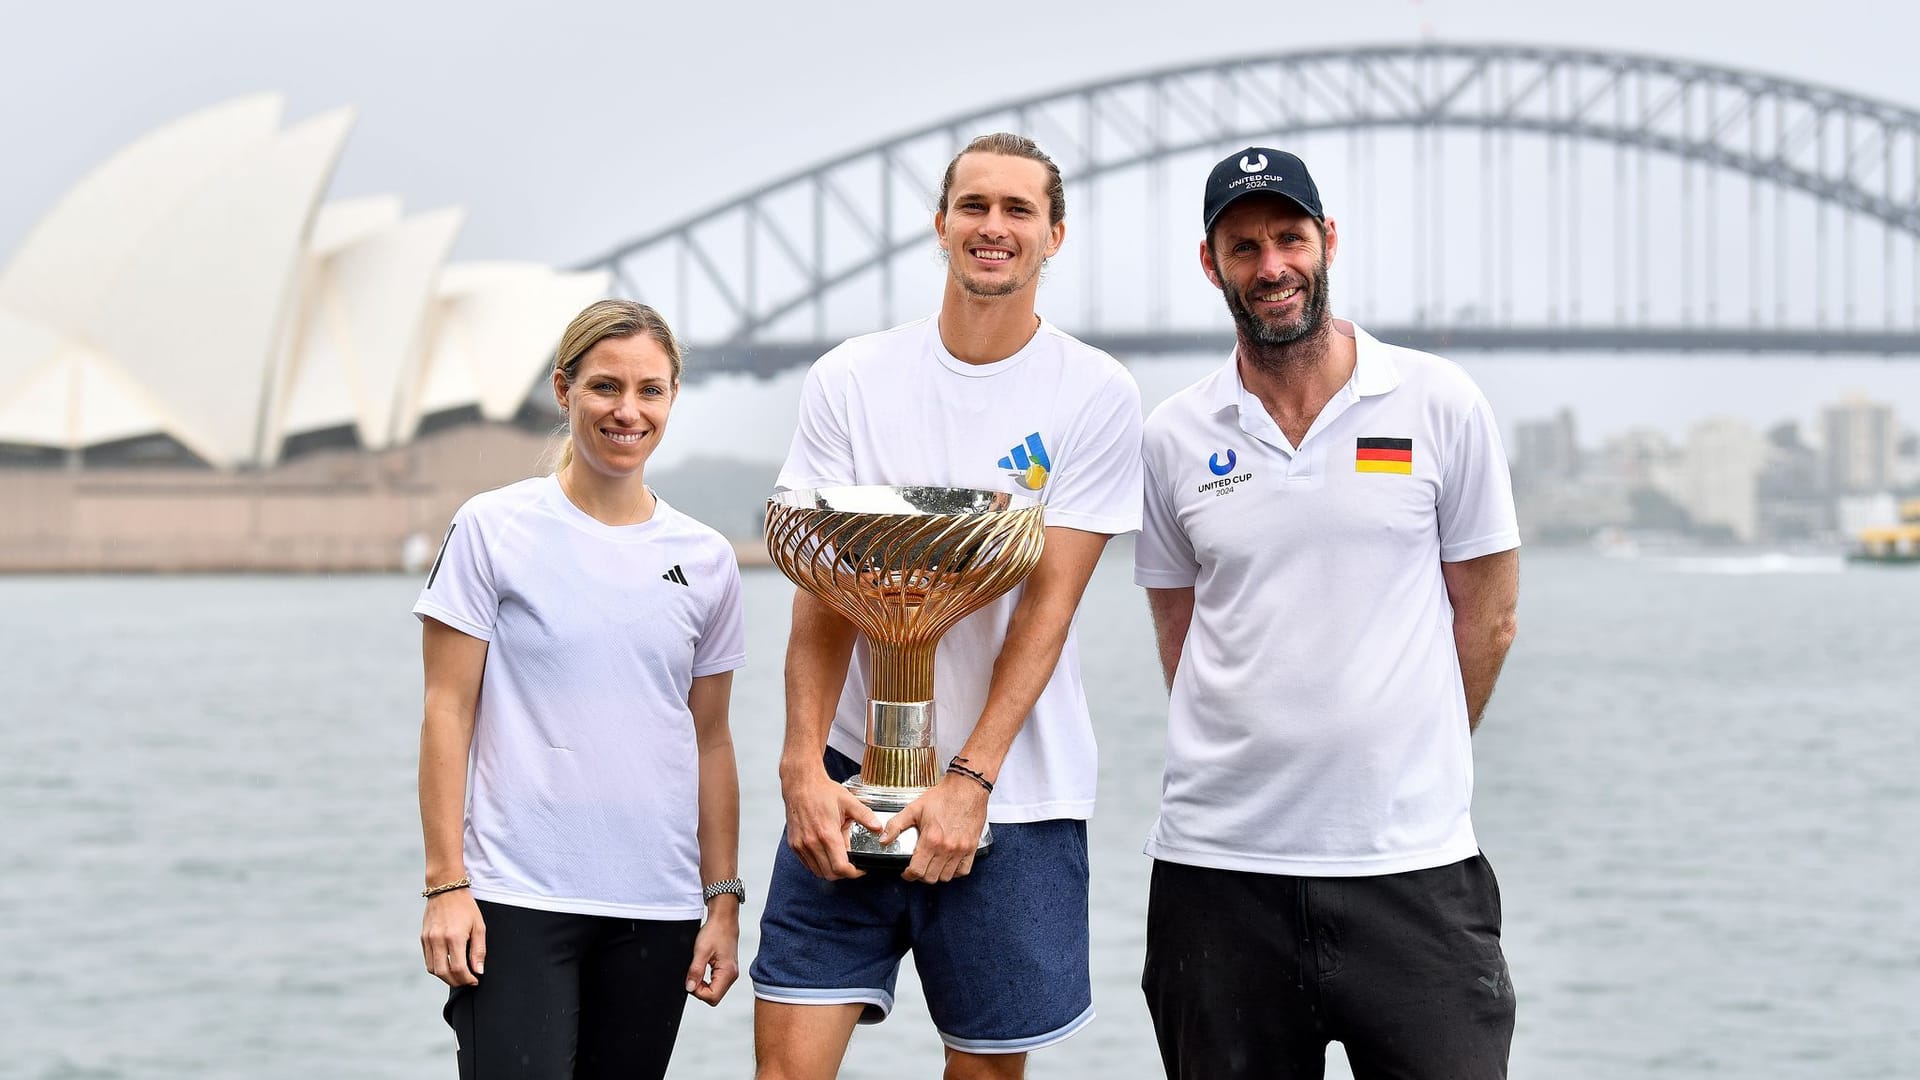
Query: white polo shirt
(585, 784)
(1058, 421)
(1318, 723)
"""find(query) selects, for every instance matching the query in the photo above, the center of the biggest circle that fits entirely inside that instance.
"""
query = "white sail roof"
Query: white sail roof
(196, 310)
(68, 261)
(79, 399)
(192, 284)
(344, 222)
(365, 328)
(336, 225)
(27, 347)
(495, 329)
(55, 391)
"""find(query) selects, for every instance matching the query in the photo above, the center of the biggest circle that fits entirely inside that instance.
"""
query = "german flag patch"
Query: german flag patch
(1383, 455)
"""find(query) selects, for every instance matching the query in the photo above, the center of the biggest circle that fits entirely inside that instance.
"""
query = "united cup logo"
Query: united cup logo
(1253, 166)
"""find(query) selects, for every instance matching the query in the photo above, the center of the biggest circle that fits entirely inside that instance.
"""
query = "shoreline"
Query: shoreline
(330, 511)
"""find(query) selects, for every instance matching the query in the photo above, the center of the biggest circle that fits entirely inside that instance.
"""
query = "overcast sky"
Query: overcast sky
(564, 128)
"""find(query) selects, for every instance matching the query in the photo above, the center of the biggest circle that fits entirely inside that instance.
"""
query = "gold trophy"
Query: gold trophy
(903, 564)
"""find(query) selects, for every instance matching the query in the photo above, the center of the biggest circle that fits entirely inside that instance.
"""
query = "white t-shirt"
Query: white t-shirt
(1059, 420)
(584, 789)
(1318, 724)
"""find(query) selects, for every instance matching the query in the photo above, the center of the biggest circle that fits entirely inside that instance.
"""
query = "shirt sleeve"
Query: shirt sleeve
(822, 451)
(1476, 490)
(460, 589)
(1098, 489)
(723, 642)
(1163, 556)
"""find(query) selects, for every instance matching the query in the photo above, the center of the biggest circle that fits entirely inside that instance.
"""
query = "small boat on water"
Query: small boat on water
(1891, 543)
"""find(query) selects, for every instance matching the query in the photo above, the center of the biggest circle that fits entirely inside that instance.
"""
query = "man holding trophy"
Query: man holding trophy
(942, 426)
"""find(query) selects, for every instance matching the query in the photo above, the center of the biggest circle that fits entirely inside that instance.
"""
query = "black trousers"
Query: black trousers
(1251, 975)
(565, 995)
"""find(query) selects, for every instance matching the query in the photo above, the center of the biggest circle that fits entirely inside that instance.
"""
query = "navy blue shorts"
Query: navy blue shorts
(1002, 952)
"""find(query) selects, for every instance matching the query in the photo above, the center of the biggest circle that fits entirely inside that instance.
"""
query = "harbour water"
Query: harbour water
(1698, 788)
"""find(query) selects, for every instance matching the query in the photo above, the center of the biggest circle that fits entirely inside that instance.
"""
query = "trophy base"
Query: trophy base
(864, 848)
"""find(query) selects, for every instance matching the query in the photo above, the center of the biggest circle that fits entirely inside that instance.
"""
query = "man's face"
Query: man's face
(994, 228)
(1269, 260)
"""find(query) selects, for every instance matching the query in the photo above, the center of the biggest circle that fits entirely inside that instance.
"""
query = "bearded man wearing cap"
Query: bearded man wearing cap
(1329, 552)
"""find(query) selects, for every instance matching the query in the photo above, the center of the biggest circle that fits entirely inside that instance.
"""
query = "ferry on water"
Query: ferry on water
(1891, 543)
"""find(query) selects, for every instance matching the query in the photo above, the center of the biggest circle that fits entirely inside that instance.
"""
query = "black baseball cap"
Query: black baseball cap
(1259, 170)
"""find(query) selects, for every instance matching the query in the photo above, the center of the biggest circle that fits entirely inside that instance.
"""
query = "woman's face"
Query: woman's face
(617, 406)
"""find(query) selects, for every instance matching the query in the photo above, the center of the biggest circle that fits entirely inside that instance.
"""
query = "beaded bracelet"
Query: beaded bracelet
(436, 890)
(958, 765)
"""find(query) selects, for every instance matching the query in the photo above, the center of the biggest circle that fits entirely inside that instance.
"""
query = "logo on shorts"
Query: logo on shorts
(1383, 455)
(1496, 983)
(1029, 464)
(1253, 166)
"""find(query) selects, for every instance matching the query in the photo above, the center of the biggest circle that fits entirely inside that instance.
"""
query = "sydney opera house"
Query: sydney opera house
(206, 364)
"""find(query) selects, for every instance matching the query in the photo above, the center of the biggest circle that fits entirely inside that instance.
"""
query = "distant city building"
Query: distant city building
(1547, 449)
(192, 300)
(1729, 483)
(1720, 475)
(1906, 463)
(1791, 493)
(1639, 457)
(1858, 436)
(1555, 508)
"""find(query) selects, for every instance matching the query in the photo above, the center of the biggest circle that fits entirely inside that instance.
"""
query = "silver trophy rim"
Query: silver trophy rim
(903, 499)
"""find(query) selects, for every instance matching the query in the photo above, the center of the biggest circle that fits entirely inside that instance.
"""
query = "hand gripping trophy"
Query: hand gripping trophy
(903, 564)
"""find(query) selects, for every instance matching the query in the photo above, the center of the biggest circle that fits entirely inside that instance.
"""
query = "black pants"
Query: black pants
(567, 995)
(1251, 975)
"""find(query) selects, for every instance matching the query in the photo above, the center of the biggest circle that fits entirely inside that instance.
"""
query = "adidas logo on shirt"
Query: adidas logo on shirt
(676, 576)
(1028, 464)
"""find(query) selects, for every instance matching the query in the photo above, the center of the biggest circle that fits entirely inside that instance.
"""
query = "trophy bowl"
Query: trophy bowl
(903, 564)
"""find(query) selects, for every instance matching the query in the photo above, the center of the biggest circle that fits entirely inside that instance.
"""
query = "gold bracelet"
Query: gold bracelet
(448, 887)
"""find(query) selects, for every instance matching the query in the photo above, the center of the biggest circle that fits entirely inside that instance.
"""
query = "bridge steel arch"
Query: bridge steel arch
(767, 262)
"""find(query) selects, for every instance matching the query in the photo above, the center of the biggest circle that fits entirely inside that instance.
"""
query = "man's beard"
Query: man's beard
(973, 286)
(1003, 287)
(1279, 335)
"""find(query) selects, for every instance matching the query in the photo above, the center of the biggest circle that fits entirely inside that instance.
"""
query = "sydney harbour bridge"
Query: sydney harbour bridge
(1488, 197)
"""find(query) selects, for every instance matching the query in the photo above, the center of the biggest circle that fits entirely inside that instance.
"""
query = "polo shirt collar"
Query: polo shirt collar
(1224, 387)
(1374, 373)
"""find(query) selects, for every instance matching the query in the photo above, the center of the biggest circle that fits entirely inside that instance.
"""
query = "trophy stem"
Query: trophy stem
(905, 768)
(901, 672)
(901, 751)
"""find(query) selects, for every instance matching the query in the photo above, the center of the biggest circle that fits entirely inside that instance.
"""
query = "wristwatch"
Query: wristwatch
(730, 885)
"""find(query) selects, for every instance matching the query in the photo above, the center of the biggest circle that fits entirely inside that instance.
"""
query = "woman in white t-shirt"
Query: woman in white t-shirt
(580, 642)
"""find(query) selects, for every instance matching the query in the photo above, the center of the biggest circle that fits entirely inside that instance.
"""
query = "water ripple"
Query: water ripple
(1697, 788)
